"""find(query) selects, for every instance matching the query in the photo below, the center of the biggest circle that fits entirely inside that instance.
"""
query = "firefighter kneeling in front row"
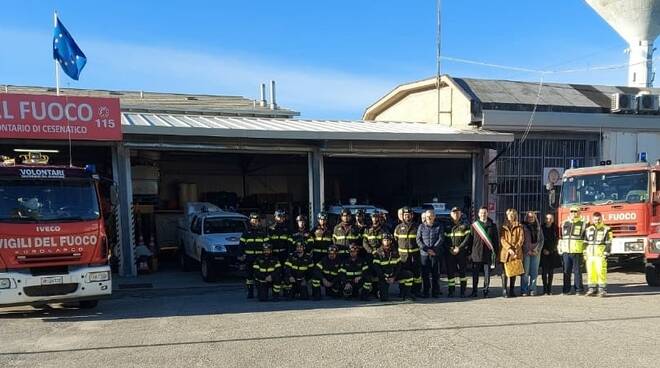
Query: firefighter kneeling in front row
(599, 241)
(326, 274)
(354, 275)
(297, 271)
(267, 271)
(387, 266)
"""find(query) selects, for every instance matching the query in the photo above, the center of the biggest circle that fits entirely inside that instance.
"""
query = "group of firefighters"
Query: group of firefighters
(356, 260)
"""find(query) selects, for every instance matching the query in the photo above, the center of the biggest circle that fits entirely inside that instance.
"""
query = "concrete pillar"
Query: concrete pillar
(316, 183)
(121, 168)
(479, 181)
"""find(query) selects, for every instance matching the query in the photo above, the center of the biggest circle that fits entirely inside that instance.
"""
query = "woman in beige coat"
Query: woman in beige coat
(512, 238)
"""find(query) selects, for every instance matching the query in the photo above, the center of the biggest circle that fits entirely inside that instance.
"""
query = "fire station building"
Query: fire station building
(251, 155)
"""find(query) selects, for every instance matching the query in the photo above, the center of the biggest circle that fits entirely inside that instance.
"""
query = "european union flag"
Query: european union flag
(66, 51)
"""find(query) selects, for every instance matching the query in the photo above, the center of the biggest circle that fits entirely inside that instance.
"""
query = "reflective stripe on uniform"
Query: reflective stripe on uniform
(387, 262)
(404, 250)
(405, 236)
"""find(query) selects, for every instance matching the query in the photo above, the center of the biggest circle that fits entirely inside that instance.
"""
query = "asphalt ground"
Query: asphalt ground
(215, 326)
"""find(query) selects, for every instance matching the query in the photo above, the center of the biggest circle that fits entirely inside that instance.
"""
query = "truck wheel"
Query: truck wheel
(88, 304)
(652, 275)
(209, 274)
(184, 260)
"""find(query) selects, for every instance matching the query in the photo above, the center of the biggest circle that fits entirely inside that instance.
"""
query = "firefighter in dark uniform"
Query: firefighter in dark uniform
(280, 237)
(387, 268)
(361, 224)
(303, 234)
(326, 274)
(405, 235)
(457, 240)
(322, 237)
(344, 233)
(297, 272)
(372, 237)
(354, 275)
(267, 274)
(251, 244)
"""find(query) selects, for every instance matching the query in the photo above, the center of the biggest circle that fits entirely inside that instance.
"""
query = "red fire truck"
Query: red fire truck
(53, 244)
(628, 196)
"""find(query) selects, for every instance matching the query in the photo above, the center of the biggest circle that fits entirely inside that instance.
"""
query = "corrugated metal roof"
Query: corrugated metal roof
(272, 128)
(168, 102)
(505, 94)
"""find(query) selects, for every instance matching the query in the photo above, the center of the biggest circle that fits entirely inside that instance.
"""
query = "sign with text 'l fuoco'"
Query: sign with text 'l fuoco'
(24, 116)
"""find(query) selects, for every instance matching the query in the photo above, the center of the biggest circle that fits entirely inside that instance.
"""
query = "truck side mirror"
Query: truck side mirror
(114, 195)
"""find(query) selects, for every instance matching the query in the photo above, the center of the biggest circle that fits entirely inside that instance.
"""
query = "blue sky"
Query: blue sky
(331, 59)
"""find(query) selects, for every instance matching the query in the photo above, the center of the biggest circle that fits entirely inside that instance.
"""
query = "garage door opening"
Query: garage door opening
(391, 183)
(164, 181)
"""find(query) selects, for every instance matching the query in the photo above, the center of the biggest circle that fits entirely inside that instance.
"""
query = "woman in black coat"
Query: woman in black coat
(549, 255)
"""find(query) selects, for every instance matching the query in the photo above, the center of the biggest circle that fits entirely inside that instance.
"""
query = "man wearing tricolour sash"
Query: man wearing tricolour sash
(484, 241)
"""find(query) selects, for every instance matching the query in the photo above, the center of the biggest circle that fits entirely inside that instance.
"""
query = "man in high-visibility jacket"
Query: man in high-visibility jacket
(326, 274)
(321, 237)
(457, 239)
(298, 272)
(599, 243)
(251, 243)
(279, 237)
(344, 234)
(303, 234)
(372, 237)
(571, 247)
(267, 274)
(354, 275)
(405, 235)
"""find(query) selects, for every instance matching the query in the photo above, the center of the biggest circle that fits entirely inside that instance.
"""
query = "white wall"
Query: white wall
(623, 147)
(422, 107)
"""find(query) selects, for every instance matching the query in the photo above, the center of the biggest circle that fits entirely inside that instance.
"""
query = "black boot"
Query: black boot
(435, 290)
(364, 294)
(505, 292)
(304, 293)
(416, 293)
(250, 291)
(485, 292)
(463, 287)
(475, 286)
(276, 296)
(405, 292)
(262, 292)
(450, 291)
(384, 292)
(316, 293)
(512, 284)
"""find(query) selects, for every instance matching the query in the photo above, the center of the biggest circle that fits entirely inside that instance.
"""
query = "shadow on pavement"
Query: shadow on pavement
(171, 293)
(339, 333)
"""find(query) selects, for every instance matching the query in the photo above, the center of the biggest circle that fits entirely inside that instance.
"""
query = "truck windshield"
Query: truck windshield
(223, 225)
(48, 200)
(606, 188)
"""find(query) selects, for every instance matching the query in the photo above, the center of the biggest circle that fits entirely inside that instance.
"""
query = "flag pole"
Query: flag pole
(57, 69)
